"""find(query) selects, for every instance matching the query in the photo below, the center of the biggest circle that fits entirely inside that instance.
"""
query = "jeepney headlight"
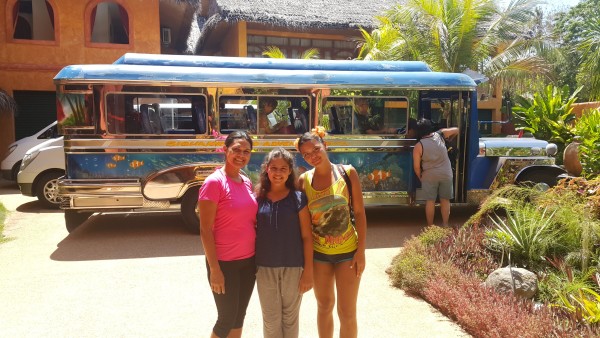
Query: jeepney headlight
(536, 151)
(481, 149)
(551, 149)
(28, 158)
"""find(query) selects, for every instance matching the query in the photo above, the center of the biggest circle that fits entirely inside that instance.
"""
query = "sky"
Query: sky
(553, 5)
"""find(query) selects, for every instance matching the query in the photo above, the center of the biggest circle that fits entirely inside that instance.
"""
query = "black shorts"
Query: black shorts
(333, 259)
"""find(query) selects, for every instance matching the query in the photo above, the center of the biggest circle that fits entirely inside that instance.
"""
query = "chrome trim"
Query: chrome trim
(386, 198)
(68, 187)
(515, 151)
(172, 183)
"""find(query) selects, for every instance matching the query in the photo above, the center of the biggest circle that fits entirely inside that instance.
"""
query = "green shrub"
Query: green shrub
(588, 130)
(3, 213)
(525, 234)
(547, 115)
(410, 269)
(553, 282)
(433, 234)
(508, 197)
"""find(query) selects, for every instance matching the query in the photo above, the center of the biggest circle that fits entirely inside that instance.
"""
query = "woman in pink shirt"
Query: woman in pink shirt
(227, 211)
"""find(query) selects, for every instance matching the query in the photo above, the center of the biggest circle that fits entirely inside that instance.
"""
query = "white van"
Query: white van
(12, 161)
(41, 167)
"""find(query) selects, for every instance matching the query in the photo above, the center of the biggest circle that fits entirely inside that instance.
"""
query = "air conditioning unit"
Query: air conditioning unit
(165, 36)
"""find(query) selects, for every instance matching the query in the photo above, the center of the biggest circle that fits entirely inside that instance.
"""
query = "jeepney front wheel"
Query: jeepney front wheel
(189, 212)
(74, 218)
(533, 177)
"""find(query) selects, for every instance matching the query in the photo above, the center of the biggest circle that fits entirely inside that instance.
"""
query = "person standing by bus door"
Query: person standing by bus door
(339, 245)
(433, 168)
(227, 211)
(284, 249)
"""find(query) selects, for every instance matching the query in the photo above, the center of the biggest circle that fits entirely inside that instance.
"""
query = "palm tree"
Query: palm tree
(7, 103)
(589, 71)
(453, 35)
(275, 53)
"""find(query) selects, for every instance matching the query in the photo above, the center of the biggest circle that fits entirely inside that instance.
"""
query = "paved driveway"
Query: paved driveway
(144, 276)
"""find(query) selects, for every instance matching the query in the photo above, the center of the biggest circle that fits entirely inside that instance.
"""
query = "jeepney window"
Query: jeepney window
(366, 115)
(264, 114)
(134, 113)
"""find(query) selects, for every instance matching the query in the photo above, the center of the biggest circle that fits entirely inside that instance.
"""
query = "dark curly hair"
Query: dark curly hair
(424, 128)
(264, 184)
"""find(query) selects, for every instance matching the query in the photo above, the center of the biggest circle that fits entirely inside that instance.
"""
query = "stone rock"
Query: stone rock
(525, 281)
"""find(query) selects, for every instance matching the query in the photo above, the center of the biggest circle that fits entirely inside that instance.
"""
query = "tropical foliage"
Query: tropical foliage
(275, 53)
(587, 129)
(547, 115)
(552, 233)
(453, 35)
(578, 37)
(7, 103)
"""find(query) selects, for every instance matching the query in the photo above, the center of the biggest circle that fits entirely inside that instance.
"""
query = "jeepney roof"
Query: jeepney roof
(293, 78)
(270, 63)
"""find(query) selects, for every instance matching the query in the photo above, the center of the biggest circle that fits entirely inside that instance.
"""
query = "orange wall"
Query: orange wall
(578, 108)
(31, 65)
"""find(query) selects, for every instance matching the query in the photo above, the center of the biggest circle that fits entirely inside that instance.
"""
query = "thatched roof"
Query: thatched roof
(291, 14)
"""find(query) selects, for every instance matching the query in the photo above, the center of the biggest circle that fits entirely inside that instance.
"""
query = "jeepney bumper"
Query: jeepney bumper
(116, 194)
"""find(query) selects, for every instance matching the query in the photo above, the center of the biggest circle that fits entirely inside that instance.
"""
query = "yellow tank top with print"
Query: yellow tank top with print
(333, 232)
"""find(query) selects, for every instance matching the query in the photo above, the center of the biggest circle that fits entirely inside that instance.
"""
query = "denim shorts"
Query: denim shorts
(431, 190)
(333, 259)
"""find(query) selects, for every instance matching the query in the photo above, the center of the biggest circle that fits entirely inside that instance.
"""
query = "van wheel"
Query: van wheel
(47, 189)
(189, 203)
(15, 171)
(74, 218)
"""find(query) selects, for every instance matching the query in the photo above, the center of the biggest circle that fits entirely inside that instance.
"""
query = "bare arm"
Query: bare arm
(207, 213)
(306, 281)
(417, 154)
(359, 260)
(449, 133)
(301, 182)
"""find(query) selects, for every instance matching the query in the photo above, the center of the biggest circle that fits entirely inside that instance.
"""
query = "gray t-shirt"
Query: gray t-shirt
(435, 164)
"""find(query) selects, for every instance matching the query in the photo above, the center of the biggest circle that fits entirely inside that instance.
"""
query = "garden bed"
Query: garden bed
(553, 233)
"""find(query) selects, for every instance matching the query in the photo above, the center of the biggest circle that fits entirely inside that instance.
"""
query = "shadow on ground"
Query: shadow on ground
(125, 236)
(37, 207)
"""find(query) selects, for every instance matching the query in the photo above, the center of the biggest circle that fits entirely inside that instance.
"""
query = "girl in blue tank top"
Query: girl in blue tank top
(284, 249)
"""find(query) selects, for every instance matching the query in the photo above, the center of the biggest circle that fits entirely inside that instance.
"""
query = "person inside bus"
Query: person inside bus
(227, 212)
(367, 121)
(433, 168)
(266, 106)
(333, 192)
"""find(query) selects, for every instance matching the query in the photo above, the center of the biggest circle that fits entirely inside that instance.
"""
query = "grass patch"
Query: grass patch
(3, 213)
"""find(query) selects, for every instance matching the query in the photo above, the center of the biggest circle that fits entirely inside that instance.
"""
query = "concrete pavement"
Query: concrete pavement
(144, 276)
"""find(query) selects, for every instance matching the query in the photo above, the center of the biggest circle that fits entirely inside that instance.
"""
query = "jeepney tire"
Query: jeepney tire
(189, 203)
(74, 218)
(539, 176)
(46, 187)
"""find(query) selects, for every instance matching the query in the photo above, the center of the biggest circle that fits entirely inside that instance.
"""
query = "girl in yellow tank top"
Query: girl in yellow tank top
(333, 231)
(339, 247)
